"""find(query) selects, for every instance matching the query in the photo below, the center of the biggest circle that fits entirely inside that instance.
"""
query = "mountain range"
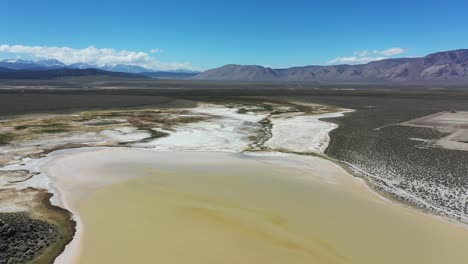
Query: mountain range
(442, 68)
(52, 73)
(449, 67)
(20, 64)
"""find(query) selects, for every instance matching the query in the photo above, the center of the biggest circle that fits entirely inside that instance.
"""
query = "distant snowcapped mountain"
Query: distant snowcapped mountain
(17, 61)
(111, 67)
(51, 63)
(124, 68)
(19, 64)
(81, 65)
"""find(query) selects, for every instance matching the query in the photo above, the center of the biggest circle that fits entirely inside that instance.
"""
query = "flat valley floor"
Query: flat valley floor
(159, 181)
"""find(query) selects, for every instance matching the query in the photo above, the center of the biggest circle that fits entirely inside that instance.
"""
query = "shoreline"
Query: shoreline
(72, 249)
(386, 197)
(383, 196)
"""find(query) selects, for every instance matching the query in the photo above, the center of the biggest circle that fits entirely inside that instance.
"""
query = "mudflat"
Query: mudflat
(194, 207)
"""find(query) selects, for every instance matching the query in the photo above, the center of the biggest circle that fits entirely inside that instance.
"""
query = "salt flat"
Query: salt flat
(455, 123)
(297, 132)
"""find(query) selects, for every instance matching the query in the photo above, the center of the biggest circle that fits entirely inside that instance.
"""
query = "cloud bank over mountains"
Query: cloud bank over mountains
(94, 56)
(103, 57)
(365, 56)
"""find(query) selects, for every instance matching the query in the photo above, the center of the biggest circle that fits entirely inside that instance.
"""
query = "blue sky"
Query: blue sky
(207, 34)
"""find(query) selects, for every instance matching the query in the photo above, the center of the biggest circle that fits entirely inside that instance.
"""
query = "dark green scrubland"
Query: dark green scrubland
(432, 178)
(23, 238)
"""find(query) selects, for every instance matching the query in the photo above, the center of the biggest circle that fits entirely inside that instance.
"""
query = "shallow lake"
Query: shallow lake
(225, 208)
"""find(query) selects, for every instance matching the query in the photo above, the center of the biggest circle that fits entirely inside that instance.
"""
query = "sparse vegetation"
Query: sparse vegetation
(6, 138)
(394, 163)
(36, 235)
(51, 130)
(22, 127)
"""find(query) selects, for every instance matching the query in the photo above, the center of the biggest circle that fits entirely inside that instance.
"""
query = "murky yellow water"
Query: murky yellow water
(257, 214)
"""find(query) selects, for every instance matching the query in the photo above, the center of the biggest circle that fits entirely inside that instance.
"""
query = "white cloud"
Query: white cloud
(391, 51)
(354, 60)
(362, 53)
(94, 56)
(365, 56)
